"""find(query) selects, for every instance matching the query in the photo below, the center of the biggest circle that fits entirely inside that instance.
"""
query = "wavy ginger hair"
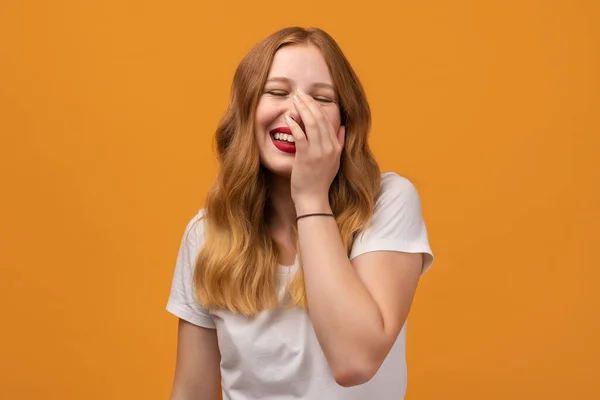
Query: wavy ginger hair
(237, 268)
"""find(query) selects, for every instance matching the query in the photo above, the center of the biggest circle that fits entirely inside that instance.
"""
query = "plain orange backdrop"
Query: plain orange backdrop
(107, 114)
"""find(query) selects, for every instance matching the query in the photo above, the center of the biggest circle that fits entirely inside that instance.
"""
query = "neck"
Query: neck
(282, 211)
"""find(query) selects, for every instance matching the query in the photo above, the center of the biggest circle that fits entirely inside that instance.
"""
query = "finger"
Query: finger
(300, 139)
(327, 133)
(311, 126)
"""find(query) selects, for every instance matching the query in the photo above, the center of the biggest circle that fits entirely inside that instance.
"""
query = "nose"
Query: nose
(293, 113)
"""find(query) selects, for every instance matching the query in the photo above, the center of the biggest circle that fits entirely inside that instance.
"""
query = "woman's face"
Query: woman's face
(294, 67)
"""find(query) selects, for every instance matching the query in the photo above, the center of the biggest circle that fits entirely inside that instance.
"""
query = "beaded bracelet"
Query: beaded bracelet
(315, 214)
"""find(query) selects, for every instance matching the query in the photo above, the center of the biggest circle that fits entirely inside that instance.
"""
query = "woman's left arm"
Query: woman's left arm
(357, 307)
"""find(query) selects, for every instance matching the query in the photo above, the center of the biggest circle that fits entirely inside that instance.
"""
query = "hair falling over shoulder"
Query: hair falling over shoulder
(236, 269)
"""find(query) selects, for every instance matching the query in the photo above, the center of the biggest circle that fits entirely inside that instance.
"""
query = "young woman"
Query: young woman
(296, 279)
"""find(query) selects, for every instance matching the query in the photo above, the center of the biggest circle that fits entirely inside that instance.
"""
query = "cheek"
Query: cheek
(333, 113)
(265, 113)
(260, 121)
(260, 114)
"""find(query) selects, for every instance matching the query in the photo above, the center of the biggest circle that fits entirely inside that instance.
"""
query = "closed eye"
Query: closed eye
(323, 99)
(277, 93)
(283, 93)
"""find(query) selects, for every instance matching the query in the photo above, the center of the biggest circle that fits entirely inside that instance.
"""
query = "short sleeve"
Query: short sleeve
(182, 301)
(397, 223)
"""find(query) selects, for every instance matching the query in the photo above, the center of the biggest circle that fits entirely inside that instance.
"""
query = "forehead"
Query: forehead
(301, 63)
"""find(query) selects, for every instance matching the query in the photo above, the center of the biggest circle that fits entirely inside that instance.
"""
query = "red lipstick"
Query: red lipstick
(286, 147)
(281, 129)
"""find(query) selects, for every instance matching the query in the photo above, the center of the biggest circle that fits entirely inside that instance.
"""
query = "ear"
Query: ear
(341, 136)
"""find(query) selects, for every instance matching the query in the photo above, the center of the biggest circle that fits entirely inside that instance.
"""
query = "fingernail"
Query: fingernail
(296, 99)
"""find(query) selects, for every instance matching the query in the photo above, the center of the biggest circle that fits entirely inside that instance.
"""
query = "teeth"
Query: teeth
(284, 136)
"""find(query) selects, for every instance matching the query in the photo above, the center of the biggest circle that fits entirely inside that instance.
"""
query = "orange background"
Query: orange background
(107, 111)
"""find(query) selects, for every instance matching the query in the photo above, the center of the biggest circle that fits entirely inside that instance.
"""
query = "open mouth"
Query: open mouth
(283, 142)
(282, 137)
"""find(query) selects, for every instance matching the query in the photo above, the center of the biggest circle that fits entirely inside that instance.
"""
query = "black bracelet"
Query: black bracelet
(315, 214)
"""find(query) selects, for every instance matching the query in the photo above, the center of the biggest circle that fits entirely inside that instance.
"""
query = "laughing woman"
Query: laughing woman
(296, 279)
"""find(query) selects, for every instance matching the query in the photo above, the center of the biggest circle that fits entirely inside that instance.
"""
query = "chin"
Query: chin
(280, 170)
(280, 166)
(275, 161)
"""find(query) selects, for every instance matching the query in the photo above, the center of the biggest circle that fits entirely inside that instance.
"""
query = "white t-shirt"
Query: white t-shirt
(276, 355)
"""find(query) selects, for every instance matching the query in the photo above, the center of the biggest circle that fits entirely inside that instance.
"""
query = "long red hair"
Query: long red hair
(237, 265)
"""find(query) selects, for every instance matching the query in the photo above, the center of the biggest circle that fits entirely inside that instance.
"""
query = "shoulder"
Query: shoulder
(397, 222)
(392, 178)
(397, 192)
(194, 231)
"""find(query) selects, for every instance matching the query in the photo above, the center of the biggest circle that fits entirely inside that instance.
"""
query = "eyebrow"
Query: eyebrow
(315, 85)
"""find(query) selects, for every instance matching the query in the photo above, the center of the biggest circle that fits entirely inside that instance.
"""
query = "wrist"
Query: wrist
(313, 205)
